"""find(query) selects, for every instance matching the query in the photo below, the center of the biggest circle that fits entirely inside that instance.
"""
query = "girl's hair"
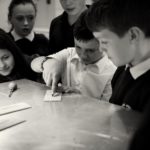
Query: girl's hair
(21, 65)
(14, 3)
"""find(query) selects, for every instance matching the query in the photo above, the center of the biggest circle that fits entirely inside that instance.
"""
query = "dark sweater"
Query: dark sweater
(125, 89)
(142, 135)
(19, 73)
(39, 45)
(61, 34)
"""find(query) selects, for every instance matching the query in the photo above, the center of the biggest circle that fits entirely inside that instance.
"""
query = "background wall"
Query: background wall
(3, 14)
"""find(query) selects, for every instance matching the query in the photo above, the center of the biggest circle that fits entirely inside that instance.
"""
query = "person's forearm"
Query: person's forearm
(62, 55)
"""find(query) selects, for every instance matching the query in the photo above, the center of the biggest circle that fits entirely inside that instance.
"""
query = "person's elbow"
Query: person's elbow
(36, 64)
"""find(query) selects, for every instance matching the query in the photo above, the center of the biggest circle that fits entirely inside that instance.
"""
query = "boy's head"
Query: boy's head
(122, 28)
(87, 46)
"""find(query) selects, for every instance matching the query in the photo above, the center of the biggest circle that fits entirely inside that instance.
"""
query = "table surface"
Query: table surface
(75, 123)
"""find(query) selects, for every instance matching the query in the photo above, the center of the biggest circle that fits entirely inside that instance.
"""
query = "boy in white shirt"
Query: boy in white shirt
(84, 69)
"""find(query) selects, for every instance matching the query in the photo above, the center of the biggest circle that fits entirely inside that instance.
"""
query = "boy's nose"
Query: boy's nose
(104, 49)
(83, 56)
(26, 22)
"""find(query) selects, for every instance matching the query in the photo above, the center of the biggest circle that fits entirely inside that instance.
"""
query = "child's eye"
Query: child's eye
(104, 42)
(90, 50)
(93, 50)
(5, 57)
(30, 18)
(20, 18)
(78, 48)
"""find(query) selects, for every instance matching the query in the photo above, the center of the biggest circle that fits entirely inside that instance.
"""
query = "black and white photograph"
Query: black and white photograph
(74, 74)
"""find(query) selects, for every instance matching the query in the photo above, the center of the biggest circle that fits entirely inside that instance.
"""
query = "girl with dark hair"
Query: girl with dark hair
(21, 15)
(13, 65)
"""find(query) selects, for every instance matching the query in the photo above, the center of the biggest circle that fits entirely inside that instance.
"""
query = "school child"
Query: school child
(13, 65)
(123, 30)
(21, 16)
(61, 27)
(83, 69)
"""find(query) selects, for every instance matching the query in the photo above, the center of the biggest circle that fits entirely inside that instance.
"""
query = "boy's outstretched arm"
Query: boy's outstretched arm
(51, 69)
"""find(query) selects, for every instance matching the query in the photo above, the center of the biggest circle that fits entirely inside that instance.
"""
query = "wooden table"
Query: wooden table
(75, 123)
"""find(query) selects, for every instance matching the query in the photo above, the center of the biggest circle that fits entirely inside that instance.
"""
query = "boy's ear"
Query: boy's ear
(135, 34)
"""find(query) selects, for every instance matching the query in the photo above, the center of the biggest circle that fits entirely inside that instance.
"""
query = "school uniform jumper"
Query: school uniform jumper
(131, 86)
(61, 34)
(37, 44)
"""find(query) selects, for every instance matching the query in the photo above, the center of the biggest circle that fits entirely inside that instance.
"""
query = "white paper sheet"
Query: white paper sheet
(49, 98)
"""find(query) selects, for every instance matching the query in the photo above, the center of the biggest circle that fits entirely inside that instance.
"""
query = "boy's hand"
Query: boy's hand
(66, 89)
(52, 71)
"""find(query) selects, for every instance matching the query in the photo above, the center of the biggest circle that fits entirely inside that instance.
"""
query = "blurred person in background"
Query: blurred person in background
(61, 28)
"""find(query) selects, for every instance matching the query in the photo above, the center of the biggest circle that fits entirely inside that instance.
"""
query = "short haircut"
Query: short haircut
(119, 16)
(81, 31)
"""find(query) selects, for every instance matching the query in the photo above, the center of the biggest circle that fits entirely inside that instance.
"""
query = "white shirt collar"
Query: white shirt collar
(140, 69)
(98, 66)
(75, 58)
(30, 37)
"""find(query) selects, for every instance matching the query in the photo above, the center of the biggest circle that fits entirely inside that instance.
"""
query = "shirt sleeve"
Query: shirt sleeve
(107, 92)
(61, 56)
